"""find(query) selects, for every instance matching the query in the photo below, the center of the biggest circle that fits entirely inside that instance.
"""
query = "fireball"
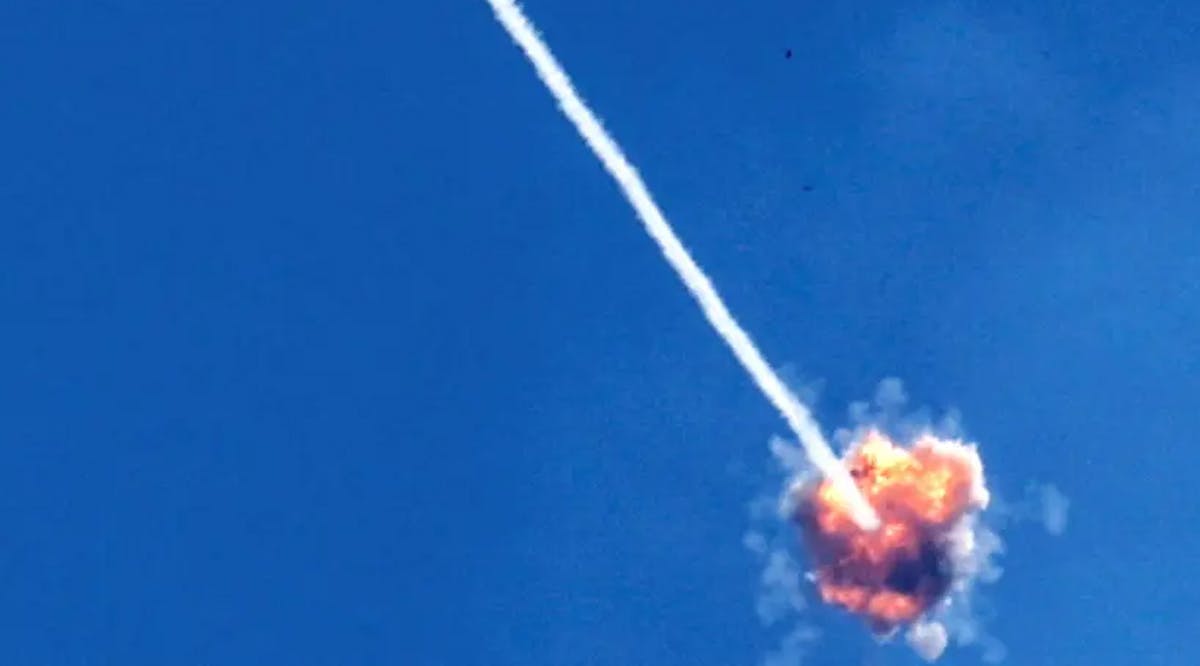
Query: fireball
(894, 574)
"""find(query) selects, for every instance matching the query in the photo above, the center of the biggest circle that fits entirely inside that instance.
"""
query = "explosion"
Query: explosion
(926, 496)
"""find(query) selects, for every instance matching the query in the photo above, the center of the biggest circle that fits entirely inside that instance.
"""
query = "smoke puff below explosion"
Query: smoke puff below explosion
(927, 496)
(927, 639)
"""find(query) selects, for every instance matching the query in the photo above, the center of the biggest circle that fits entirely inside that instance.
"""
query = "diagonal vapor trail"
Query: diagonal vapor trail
(610, 154)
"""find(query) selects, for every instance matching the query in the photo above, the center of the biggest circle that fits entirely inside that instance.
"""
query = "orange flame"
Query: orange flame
(893, 574)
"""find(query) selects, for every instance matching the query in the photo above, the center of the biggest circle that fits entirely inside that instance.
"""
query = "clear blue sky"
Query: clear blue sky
(326, 341)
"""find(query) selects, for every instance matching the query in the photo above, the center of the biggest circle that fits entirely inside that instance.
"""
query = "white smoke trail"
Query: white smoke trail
(610, 154)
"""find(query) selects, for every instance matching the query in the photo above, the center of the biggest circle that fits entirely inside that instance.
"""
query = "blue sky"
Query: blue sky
(328, 342)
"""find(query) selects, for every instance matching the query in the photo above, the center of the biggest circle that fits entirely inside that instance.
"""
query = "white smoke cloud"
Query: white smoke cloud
(890, 394)
(1042, 503)
(963, 625)
(790, 456)
(792, 647)
(889, 411)
(973, 549)
(780, 592)
(927, 639)
(780, 601)
(1054, 509)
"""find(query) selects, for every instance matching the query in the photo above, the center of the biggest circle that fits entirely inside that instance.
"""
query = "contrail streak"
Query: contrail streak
(610, 154)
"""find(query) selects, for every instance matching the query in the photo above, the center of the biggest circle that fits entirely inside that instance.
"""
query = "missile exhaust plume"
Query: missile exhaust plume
(522, 31)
